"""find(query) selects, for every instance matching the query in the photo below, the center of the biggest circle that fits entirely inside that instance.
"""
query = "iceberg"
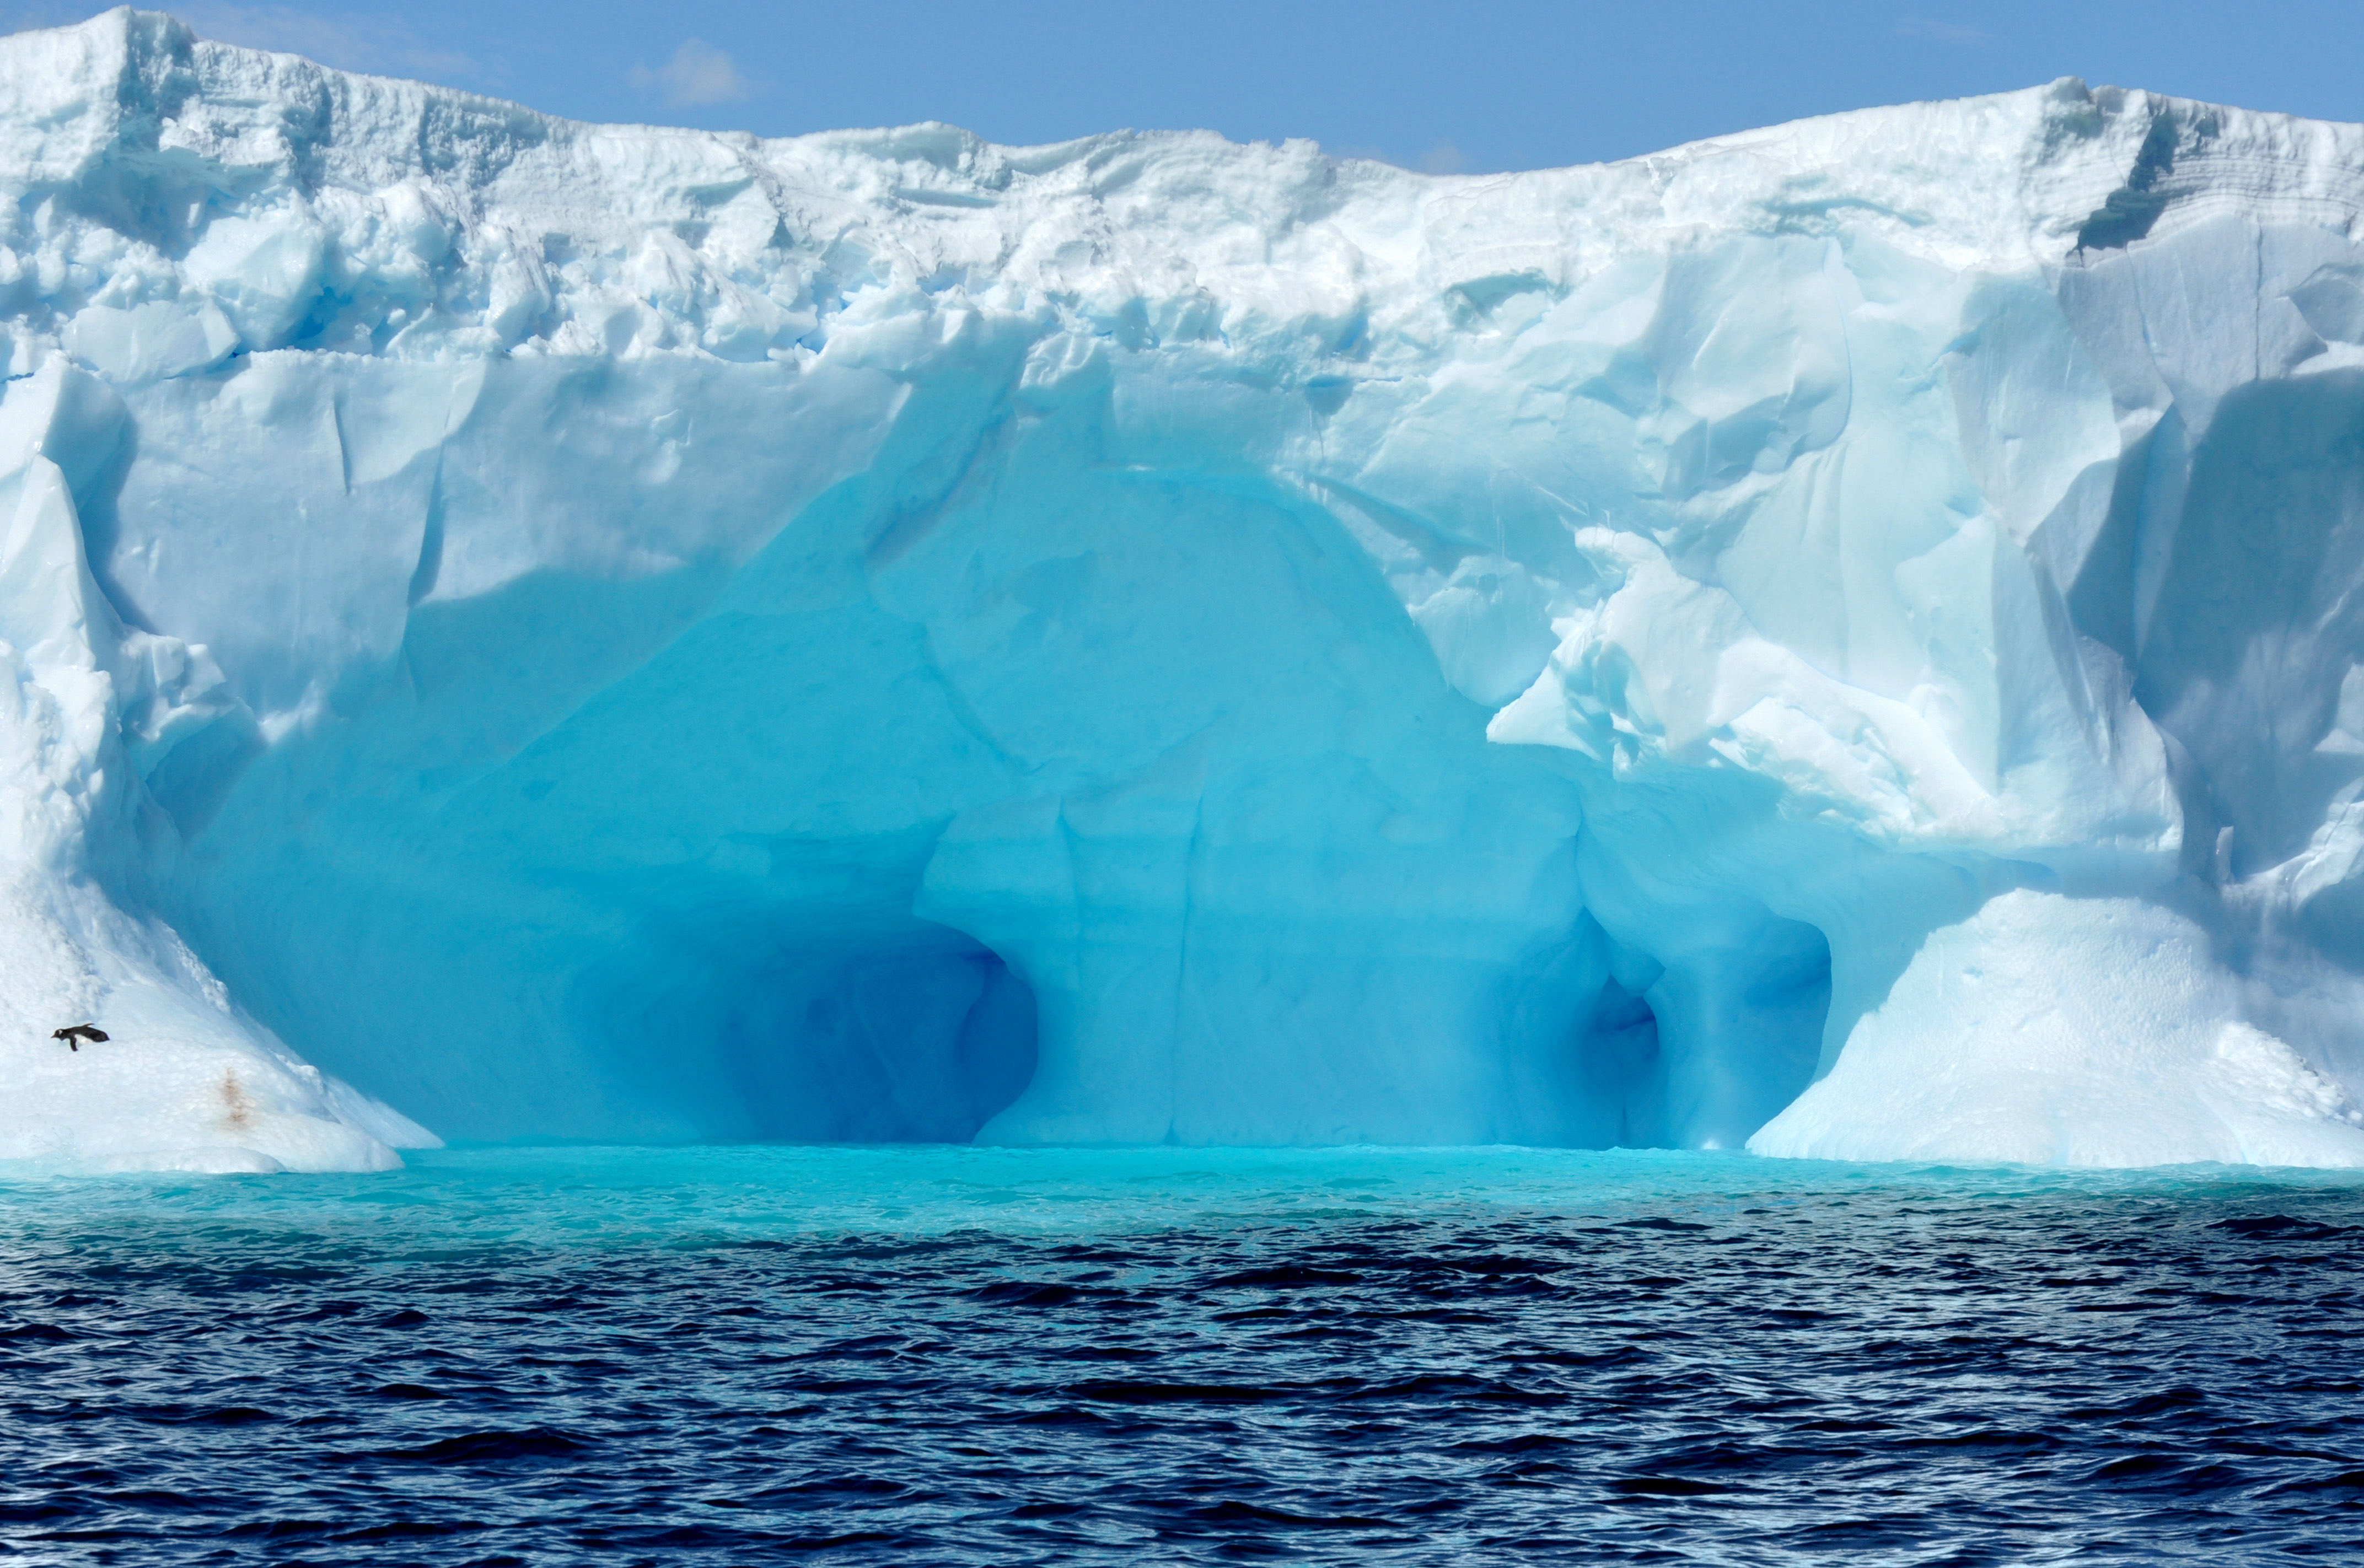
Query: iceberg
(1845, 640)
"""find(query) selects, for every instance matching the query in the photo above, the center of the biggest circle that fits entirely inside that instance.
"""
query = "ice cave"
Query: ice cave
(1845, 640)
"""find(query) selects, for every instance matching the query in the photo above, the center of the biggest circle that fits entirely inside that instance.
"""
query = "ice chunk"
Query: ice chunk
(626, 633)
(183, 1081)
(2068, 1031)
(148, 342)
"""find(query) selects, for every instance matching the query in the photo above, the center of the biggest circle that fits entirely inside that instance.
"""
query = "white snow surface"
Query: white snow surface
(1848, 637)
(2005, 1031)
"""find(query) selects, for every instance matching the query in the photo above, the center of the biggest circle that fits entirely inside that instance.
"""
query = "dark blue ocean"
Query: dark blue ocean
(967, 1356)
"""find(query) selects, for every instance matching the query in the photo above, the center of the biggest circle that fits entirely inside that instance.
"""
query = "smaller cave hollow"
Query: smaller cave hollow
(921, 1040)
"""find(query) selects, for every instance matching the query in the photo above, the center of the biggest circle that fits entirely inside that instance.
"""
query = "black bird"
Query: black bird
(75, 1034)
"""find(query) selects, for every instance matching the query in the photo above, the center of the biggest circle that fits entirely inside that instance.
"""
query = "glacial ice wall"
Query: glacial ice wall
(1847, 638)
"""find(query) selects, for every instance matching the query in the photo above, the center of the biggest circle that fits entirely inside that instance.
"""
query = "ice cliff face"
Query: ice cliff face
(1845, 639)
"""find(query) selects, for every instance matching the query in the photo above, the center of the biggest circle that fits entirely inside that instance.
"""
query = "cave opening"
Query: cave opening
(918, 1036)
(911, 1045)
(1694, 1046)
(1625, 1077)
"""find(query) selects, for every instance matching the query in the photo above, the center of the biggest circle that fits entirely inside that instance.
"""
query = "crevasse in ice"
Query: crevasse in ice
(1844, 639)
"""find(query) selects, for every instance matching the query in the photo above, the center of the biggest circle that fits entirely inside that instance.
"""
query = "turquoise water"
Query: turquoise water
(954, 1355)
(690, 1196)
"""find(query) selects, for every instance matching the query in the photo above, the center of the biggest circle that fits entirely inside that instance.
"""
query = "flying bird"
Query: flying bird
(73, 1035)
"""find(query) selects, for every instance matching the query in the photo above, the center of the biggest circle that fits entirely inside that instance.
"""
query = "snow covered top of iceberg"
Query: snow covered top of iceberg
(347, 213)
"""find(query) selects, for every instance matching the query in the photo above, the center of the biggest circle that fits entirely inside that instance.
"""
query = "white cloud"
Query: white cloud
(1442, 159)
(698, 74)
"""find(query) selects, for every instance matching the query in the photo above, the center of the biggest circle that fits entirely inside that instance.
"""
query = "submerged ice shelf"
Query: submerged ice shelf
(1847, 638)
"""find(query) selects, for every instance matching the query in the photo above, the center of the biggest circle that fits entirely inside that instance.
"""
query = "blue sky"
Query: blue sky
(1480, 85)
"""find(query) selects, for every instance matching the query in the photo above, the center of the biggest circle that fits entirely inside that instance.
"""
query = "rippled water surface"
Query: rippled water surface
(951, 1355)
